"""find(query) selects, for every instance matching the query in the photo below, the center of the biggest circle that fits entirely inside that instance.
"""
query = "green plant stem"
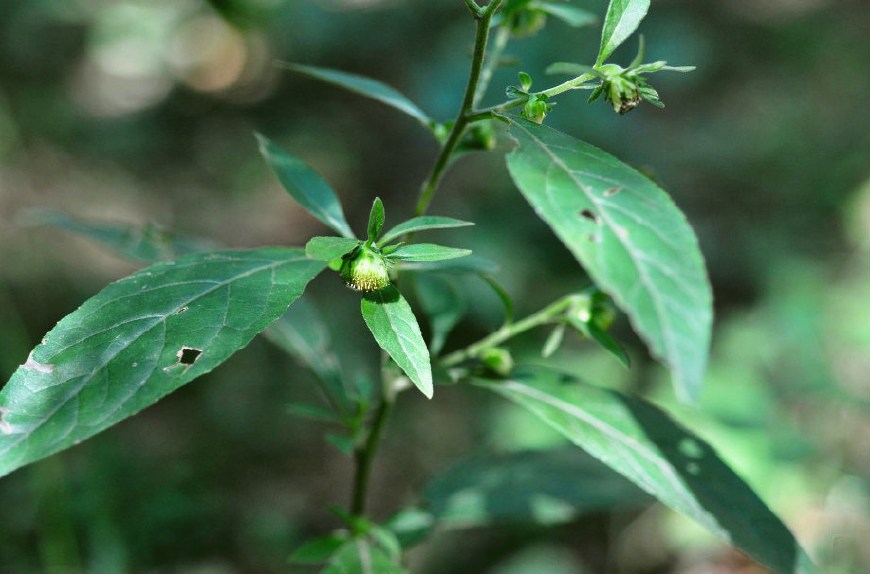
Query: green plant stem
(499, 42)
(364, 456)
(542, 317)
(484, 18)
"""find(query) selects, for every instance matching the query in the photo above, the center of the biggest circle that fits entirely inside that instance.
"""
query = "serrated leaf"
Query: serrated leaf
(571, 15)
(395, 328)
(319, 549)
(365, 87)
(148, 243)
(376, 220)
(422, 223)
(530, 487)
(443, 305)
(629, 236)
(622, 19)
(645, 445)
(329, 247)
(306, 186)
(359, 556)
(421, 252)
(140, 339)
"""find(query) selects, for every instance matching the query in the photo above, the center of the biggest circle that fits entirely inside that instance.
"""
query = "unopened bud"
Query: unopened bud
(364, 270)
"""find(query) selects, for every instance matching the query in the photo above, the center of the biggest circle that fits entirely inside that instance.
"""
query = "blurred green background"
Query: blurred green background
(142, 111)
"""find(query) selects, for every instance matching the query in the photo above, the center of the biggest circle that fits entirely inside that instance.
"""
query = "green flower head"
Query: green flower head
(365, 270)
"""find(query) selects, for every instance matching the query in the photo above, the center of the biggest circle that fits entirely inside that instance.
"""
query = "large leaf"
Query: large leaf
(622, 19)
(629, 236)
(148, 242)
(395, 328)
(140, 339)
(421, 223)
(542, 487)
(365, 87)
(646, 446)
(305, 186)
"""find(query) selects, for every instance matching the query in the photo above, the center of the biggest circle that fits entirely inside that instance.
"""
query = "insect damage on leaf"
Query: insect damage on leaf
(33, 365)
(5, 426)
(186, 356)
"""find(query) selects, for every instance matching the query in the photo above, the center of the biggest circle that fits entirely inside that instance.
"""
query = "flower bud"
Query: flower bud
(364, 270)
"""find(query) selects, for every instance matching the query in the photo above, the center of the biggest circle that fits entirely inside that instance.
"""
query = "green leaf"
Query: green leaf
(444, 306)
(313, 412)
(427, 252)
(470, 264)
(622, 19)
(395, 328)
(364, 87)
(140, 339)
(329, 247)
(541, 487)
(302, 333)
(148, 243)
(319, 549)
(421, 224)
(359, 556)
(629, 236)
(571, 15)
(376, 220)
(305, 186)
(645, 445)
(572, 69)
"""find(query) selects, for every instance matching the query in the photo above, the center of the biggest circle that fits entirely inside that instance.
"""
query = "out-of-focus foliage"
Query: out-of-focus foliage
(142, 111)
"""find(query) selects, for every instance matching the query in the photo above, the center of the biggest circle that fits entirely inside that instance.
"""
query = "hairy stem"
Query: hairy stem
(484, 18)
(542, 317)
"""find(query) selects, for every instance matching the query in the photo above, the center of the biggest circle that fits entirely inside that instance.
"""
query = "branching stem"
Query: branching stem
(546, 315)
(484, 18)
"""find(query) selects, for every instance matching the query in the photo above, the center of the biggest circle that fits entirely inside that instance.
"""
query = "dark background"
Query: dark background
(143, 111)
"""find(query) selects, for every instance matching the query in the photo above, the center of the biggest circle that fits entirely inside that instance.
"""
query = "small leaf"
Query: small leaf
(319, 549)
(359, 556)
(313, 412)
(147, 243)
(344, 444)
(571, 15)
(411, 526)
(525, 81)
(629, 236)
(329, 247)
(622, 19)
(645, 445)
(530, 487)
(427, 252)
(507, 301)
(387, 540)
(376, 220)
(421, 224)
(139, 339)
(306, 186)
(364, 87)
(443, 304)
(554, 341)
(395, 328)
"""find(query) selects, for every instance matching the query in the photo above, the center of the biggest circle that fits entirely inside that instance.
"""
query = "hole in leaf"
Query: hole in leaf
(188, 355)
(590, 215)
(181, 310)
(612, 191)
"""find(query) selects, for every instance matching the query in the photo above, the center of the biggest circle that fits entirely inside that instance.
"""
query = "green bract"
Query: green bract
(364, 270)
